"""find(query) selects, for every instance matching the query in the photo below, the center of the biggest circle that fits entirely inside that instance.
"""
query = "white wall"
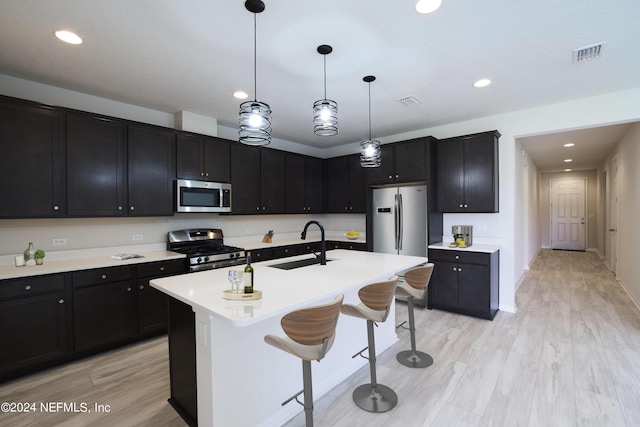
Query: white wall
(628, 155)
(505, 228)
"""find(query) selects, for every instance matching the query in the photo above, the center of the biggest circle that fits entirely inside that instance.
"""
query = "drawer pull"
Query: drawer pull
(129, 289)
(61, 301)
(104, 276)
(141, 287)
(161, 268)
(27, 288)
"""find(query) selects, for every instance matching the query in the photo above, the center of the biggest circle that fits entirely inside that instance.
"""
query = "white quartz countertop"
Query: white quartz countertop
(74, 264)
(284, 290)
(473, 248)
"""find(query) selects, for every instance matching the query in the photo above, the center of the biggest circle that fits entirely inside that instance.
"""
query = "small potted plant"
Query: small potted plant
(39, 256)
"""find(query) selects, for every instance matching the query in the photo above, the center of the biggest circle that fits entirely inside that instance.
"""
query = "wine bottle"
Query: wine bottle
(248, 276)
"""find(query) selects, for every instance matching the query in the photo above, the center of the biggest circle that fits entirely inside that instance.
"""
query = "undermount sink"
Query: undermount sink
(290, 265)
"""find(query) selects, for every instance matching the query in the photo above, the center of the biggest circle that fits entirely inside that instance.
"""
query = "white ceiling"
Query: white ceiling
(172, 55)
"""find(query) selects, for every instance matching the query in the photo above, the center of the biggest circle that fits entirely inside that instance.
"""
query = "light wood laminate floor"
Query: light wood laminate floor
(569, 357)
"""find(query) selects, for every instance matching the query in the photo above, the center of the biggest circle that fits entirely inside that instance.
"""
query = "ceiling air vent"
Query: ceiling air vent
(409, 101)
(587, 52)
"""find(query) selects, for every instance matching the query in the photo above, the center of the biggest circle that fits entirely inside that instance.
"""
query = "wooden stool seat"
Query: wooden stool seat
(375, 306)
(310, 335)
(414, 287)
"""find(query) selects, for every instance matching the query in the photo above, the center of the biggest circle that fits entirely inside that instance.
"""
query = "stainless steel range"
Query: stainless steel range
(205, 249)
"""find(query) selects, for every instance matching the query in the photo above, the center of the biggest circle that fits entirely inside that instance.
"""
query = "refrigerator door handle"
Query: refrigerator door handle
(400, 224)
(396, 220)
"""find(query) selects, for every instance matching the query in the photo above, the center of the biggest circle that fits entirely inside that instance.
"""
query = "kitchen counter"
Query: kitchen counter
(83, 263)
(232, 359)
(473, 248)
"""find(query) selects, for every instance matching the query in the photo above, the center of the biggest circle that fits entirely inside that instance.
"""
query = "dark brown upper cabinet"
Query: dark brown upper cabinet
(151, 170)
(467, 173)
(96, 166)
(304, 184)
(203, 158)
(402, 162)
(346, 185)
(32, 183)
(258, 179)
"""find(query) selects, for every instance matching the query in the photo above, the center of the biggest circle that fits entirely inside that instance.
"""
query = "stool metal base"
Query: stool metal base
(378, 399)
(414, 359)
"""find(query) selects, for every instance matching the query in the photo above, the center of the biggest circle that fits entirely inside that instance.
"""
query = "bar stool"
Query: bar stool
(414, 287)
(310, 334)
(376, 300)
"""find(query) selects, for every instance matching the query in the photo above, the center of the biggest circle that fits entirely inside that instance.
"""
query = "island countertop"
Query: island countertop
(283, 290)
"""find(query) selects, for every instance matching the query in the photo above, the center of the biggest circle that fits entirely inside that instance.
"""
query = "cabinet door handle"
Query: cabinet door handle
(119, 208)
(457, 256)
(465, 205)
(56, 207)
(129, 289)
(141, 287)
(61, 301)
(132, 208)
(460, 204)
(455, 269)
(459, 269)
(104, 276)
(27, 288)
(206, 174)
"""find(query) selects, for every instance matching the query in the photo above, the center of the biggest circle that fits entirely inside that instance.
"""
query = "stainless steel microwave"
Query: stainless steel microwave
(202, 196)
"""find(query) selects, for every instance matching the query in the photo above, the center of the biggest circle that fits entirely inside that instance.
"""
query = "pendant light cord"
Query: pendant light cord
(255, 59)
(369, 111)
(325, 75)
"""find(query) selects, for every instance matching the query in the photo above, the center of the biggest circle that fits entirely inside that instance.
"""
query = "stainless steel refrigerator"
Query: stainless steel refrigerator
(400, 220)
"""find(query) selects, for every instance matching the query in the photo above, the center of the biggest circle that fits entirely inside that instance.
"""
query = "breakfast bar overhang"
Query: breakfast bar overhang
(241, 380)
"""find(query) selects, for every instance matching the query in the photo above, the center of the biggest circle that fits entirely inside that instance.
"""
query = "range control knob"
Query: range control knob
(206, 259)
(199, 260)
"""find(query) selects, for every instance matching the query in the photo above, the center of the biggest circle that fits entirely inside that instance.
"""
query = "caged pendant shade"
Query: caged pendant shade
(255, 116)
(370, 149)
(325, 111)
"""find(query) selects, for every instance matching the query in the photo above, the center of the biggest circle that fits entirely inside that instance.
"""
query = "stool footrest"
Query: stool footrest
(360, 354)
(295, 396)
(401, 325)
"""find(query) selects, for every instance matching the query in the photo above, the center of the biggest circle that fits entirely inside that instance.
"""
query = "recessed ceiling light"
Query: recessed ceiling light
(428, 6)
(240, 95)
(568, 160)
(569, 144)
(68, 37)
(482, 83)
(567, 170)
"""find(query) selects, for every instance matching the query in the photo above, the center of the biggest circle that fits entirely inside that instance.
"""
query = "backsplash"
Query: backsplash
(89, 233)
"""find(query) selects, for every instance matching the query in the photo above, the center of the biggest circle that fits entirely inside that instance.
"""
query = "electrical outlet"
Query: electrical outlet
(136, 237)
(60, 241)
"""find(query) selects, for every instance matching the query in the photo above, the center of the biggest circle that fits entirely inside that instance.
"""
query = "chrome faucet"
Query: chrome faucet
(323, 245)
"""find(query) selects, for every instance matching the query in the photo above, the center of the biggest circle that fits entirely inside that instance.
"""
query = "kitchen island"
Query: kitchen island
(242, 381)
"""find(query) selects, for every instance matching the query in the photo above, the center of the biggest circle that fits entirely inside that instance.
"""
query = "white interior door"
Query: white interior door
(613, 230)
(568, 226)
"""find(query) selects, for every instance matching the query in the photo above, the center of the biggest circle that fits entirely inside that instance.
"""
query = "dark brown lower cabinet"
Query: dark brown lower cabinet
(465, 282)
(33, 324)
(103, 315)
(153, 311)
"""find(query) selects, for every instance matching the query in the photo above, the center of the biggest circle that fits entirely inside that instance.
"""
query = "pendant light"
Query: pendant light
(255, 116)
(325, 111)
(369, 149)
